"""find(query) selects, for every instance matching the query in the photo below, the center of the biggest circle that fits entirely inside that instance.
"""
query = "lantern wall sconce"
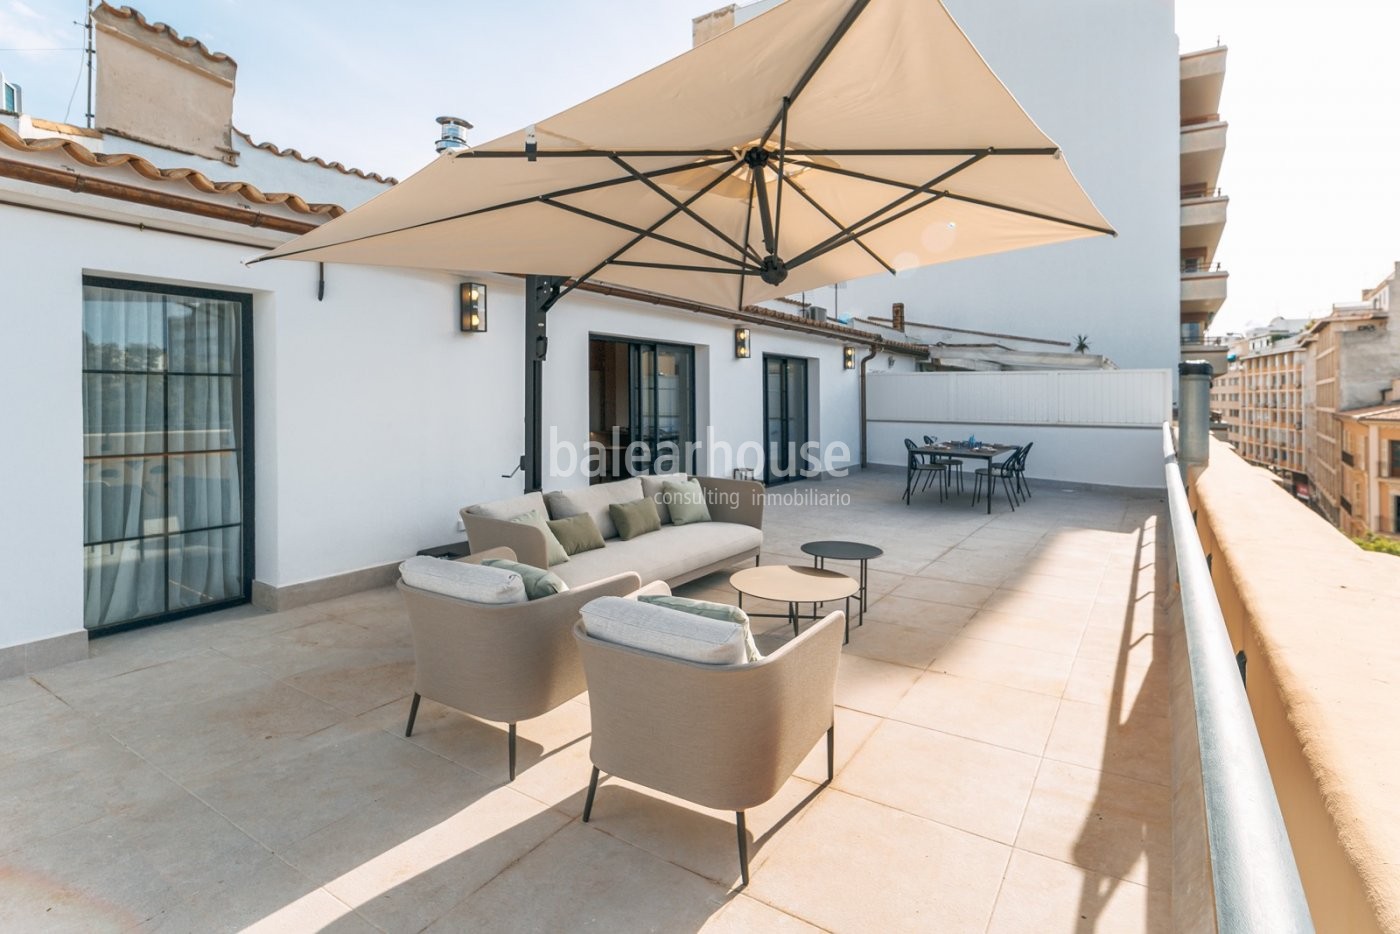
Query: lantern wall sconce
(848, 358)
(471, 308)
(741, 343)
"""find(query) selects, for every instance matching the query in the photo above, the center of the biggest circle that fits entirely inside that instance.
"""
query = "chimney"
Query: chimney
(897, 313)
(156, 87)
(454, 134)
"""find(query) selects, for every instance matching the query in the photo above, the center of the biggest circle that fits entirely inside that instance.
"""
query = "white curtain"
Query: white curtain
(161, 407)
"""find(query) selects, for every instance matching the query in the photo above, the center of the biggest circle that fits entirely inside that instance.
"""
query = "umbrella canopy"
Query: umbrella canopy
(822, 141)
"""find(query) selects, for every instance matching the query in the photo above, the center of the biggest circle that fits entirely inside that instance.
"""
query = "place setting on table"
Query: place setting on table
(941, 460)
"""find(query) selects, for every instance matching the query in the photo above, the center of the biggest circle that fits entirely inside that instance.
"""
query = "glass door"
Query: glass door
(642, 405)
(167, 429)
(784, 417)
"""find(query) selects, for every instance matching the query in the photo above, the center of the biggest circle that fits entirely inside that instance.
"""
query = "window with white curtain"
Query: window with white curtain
(167, 430)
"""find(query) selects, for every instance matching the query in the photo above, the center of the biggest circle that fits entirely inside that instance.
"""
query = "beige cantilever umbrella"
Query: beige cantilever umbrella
(822, 141)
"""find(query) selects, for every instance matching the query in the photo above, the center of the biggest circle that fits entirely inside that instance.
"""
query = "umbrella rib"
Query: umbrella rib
(846, 23)
(470, 154)
(518, 202)
(650, 234)
(683, 206)
(679, 267)
(966, 151)
(845, 236)
(837, 224)
(578, 280)
(817, 251)
(748, 229)
(1029, 213)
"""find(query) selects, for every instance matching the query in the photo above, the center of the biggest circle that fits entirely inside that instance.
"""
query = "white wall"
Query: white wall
(1101, 78)
(375, 419)
(1101, 427)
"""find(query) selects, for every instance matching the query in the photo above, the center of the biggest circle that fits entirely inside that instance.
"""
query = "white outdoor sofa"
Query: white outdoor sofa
(674, 554)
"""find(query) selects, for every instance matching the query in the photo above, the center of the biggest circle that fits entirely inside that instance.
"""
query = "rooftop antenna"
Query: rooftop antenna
(89, 52)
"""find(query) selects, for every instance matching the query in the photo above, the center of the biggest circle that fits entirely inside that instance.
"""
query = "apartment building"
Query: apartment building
(1352, 361)
(1370, 468)
(1203, 204)
(1270, 424)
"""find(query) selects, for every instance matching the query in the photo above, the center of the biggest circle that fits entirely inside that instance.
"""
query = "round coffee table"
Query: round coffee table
(846, 551)
(794, 585)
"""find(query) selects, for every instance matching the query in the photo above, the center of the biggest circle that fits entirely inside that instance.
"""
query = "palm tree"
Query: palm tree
(1081, 343)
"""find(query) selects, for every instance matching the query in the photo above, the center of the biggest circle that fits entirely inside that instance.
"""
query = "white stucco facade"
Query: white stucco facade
(1101, 78)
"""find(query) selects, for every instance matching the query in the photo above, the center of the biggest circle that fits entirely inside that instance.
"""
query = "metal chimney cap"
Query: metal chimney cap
(455, 121)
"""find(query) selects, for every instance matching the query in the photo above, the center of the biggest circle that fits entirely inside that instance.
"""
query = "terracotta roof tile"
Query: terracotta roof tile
(192, 177)
(316, 160)
(126, 12)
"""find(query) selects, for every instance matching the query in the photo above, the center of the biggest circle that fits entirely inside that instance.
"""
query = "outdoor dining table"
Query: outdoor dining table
(958, 449)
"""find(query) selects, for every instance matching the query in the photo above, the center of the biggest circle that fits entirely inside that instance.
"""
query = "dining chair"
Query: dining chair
(1022, 484)
(1005, 472)
(955, 466)
(924, 465)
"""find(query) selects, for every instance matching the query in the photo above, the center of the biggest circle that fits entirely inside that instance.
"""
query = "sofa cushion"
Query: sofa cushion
(554, 552)
(635, 518)
(686, 501)
(665, 631)
(721, 611)
(508, 508)
(590, 501)
(666, 554)
(538, 582)
(651, 489)
(474, 582)
(577, 533)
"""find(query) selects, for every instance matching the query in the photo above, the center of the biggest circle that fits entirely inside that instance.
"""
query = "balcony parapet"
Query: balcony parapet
(1314, 616)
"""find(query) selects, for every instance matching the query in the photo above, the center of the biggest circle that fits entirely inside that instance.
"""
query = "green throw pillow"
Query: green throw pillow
(721, 611)
(577, 533)
(554, 552)
(635, 518)
(538, 581)
(686, 501)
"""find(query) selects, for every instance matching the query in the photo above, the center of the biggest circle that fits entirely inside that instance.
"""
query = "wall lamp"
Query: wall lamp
(741, 343)
(472, 308)
(848, 358)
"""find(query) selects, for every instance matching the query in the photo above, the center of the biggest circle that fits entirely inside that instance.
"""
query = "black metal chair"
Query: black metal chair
(1005, 472)
(955, 466)
(923, 464)
(1023, 485)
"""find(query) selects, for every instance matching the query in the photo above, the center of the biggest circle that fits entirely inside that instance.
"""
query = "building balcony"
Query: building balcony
(1202, 152)
(1202, 223)
(1203, 289)
(1202, 79)
(1003, 757)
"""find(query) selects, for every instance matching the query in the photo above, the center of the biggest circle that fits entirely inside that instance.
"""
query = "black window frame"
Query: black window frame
(247, 470)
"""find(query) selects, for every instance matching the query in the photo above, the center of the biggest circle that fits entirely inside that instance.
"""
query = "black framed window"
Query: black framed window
(785, 418)
(641, 405)
(167, 451)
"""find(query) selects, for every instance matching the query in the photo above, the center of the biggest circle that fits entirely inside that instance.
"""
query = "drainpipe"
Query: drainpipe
(874, 350)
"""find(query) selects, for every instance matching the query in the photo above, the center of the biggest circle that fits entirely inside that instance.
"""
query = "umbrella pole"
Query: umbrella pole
(541, 292)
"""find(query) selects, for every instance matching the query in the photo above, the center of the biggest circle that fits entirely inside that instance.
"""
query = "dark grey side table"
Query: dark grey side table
(450, 551)
(823, 551)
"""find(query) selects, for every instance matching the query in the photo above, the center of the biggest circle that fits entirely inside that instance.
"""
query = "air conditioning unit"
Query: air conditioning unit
(814, 313)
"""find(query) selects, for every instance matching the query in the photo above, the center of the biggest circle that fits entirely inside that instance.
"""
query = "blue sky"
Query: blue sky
(1312, 167)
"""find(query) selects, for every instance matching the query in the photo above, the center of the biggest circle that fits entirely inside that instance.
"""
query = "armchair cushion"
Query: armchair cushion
(475, 583)
(686, 502)
(665, 631)
(577, 533)
(513, 506)
(635, 518)
(538, 581)
(708, 610)
(555, 553)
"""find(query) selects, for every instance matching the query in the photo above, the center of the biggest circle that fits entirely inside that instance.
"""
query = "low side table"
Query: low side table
(450, 551)
(846, 551)
(794, 585)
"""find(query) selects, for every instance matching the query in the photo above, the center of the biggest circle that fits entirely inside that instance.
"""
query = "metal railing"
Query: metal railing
(1192, 266)
(1253, 872)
